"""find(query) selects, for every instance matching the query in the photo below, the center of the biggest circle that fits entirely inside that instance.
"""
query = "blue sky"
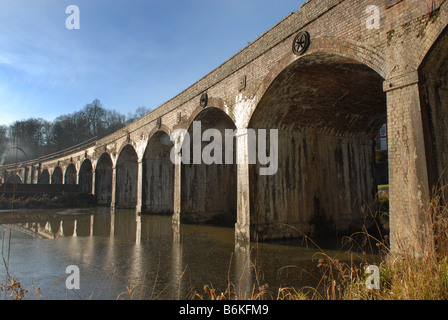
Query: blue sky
(126, 53)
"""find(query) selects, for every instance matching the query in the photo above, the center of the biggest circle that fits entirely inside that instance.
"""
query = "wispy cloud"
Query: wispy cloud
(4, 60)
(126, 53)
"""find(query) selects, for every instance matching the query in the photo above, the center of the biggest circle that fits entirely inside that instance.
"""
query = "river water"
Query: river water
(121, 255)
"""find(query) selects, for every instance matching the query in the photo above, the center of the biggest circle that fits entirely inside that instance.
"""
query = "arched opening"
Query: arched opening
(158, 176)
(103, 180)
(327, 110)
(85, 176)
(208, 188)
(127, 175)
(44, 177)
(433, 87)
(70, 174)
(56, 177)
(13, 179)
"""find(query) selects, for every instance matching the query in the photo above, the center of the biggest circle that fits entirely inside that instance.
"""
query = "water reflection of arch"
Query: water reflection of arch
(125, 224)
(102, 221)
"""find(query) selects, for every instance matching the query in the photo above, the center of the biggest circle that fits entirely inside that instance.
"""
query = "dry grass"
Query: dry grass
(402, 277)
(14, 290)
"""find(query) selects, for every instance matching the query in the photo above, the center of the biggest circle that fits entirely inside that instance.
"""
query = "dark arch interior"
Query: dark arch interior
(85, 176)
(44, 177)
(158, 176)
(208, 191)
(56, 177)
(433, 86)
(13, 179)
(70, 174)
(327, 110)
(103, 180)
(127, 175)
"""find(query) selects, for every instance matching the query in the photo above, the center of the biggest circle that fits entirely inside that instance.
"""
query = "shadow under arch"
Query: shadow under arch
(44, 177)
(86, 176)
(158, 175)
(126, 178)
(208, 191)
(103, 179)
(327, 109)
(70, 174)
(57, 176)
(433, 90)
(13, 179)
(323, 46)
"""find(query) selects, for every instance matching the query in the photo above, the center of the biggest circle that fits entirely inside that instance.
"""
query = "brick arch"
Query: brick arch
(201, 201)
(156, 131)
(357, 51)
(57, 176)
(13, 179)
(432, 33)
(327, 108)
(44, 176)
(103, 178)
(85, 176)
(70, 174)
(123, 144)
(433, 83)
(158, 174)
(325, 45)
(197, 111)
(126, 177)
(163, 128)
(213, 103)
(98, 156)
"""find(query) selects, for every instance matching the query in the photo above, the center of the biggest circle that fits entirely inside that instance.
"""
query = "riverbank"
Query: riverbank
(398, 277)
(46, 201)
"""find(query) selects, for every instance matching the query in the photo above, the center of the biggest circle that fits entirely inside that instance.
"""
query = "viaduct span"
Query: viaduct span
(327, 77)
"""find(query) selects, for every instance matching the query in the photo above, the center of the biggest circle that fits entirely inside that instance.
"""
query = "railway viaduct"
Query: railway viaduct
(326, 77)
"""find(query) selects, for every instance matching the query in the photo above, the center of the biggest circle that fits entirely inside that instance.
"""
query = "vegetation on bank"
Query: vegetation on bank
(34, 138)
(14, 290)
(46, 201)
(401, 277)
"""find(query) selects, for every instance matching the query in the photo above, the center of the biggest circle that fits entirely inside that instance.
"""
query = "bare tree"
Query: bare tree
(139, 112)
(95, 114)
(39, 137)
(30, 136)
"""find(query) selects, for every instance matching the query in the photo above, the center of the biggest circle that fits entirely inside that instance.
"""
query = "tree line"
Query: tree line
(35, 137)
